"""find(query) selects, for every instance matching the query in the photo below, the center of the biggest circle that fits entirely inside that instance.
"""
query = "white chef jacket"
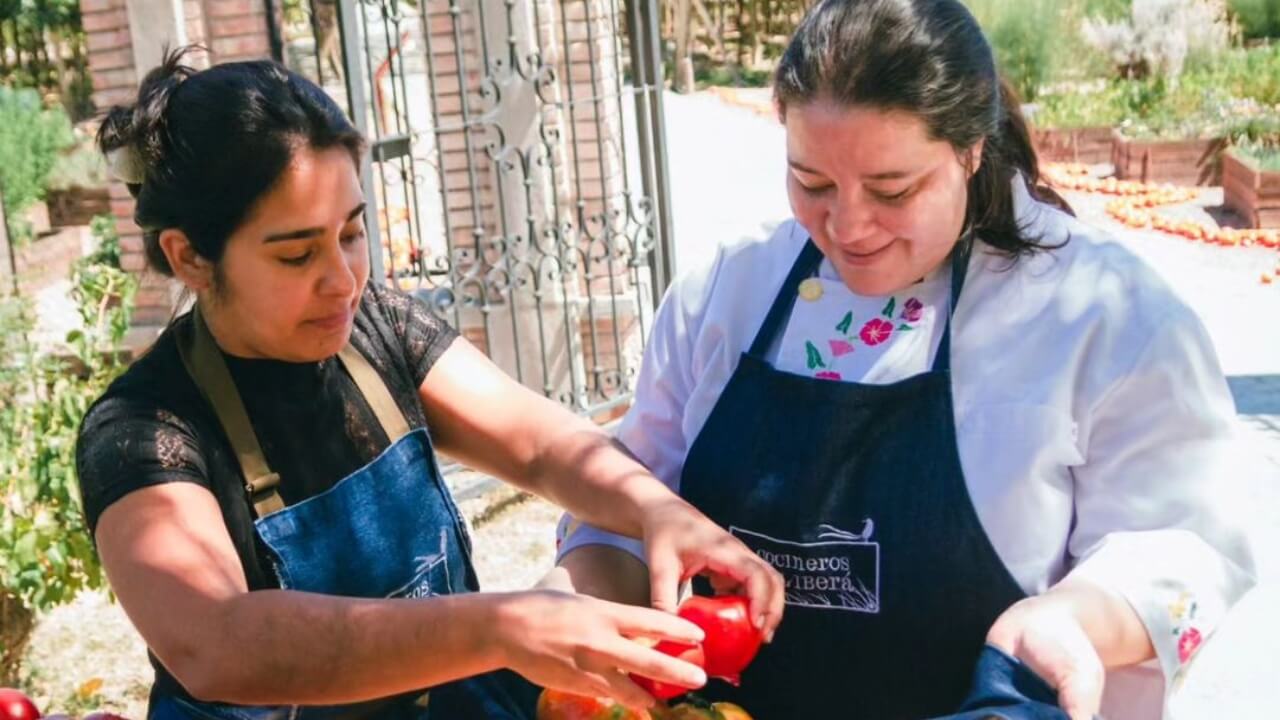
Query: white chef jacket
(1095, 428)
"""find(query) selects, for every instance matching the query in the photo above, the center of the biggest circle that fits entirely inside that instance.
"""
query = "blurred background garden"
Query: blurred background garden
(1162, 92)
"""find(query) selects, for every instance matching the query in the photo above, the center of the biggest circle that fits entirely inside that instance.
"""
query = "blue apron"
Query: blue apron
(854, 492)
(389, 530)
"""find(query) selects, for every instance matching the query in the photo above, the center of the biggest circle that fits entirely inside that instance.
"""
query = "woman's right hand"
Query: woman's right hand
(586, 646)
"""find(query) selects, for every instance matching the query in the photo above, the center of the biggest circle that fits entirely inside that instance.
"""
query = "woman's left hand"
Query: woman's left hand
(1044, 632)
(681, 542)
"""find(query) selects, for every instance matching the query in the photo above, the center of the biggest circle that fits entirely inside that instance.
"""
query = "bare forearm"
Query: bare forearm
(280, 647)
(604, 572)
(584, 470)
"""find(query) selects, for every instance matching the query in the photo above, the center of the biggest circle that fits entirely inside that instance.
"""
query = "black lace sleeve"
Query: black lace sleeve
(423, 336)
(126, 444)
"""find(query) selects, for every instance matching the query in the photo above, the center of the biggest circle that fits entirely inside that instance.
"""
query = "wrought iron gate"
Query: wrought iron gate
(517, 178)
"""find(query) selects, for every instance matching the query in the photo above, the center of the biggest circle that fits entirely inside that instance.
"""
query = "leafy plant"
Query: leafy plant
(46, 556)
(1026, 39)
(30, 139)
(1258, 18)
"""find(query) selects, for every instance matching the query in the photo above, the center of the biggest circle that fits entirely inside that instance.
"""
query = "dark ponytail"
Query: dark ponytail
(928, 58)
(198, 148)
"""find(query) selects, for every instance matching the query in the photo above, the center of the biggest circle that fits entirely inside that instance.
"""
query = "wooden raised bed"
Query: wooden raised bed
(1251, 193)
(77, 205)
(1090, 145)
(1181, 162)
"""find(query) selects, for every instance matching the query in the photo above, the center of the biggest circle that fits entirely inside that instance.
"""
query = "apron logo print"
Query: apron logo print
(420, 585)
(840, 571)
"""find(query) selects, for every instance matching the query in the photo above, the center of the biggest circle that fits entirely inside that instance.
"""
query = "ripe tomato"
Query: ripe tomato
(16, 706)
(557, 705)
(665, 691)
(732, 640)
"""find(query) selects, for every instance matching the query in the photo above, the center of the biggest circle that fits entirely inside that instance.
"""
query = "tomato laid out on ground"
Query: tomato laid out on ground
(732, 639)
(16, 706)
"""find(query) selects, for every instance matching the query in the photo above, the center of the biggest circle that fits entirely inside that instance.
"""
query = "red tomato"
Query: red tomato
(16, 706)
(557, 705)
(732, 639)
(665, 691)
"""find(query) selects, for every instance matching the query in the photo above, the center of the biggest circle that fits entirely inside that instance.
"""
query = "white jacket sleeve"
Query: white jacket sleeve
(1159, 516)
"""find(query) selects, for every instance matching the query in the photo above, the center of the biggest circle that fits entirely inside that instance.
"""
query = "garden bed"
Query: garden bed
(1089, 145)
(1181, 162)
(1252, 193)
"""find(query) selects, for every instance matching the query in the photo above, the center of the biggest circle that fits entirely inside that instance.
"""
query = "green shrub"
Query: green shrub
(30, 139)
(1027, 39)
(1258, 18)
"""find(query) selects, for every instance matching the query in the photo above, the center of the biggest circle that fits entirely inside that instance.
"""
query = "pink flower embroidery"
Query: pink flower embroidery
(828, 375)
(1187, 644)
(912, 309)
(876, 331)
(840, 348)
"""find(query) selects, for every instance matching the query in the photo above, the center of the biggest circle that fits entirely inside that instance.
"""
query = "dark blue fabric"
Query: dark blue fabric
(1006, 689)
(855, 493)
(390, 530)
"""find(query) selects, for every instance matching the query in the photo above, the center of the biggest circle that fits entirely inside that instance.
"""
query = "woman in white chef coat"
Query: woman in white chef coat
(946, 411)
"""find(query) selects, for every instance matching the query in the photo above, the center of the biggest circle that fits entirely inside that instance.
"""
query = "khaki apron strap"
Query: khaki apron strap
(205, 364)
(375, 393)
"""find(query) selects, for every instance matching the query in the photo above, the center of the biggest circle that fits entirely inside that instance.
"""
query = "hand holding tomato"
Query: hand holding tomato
(681, 542)
(732, 639)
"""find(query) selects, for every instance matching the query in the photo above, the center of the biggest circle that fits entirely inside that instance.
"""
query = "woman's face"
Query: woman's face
(883, 201)
(293, 273)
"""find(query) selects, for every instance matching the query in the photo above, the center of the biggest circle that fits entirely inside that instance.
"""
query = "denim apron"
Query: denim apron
(854, 492)
(388, 530)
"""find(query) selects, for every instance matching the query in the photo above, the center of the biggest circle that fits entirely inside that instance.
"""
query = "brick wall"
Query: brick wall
(236, 30)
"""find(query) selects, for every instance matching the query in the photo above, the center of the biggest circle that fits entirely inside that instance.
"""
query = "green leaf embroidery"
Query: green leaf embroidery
(905, 326)
(888, 309)
(846, 322)
(815, 357)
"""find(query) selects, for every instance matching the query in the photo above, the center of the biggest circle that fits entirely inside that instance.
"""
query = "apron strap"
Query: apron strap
(805, 265)
(205, 364)
(959, 268)
(375, 392)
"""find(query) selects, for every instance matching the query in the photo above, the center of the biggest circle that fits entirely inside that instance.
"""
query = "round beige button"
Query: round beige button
(811, 290)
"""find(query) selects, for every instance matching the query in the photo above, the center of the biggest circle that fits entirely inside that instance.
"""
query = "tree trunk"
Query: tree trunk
(683, 80)
(4, 51)
(17, 621)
